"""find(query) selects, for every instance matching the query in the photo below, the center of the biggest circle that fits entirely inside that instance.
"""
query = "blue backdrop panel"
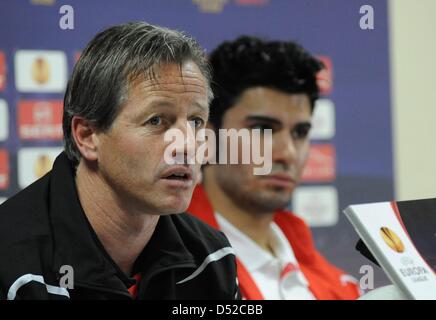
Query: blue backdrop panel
(360, 58)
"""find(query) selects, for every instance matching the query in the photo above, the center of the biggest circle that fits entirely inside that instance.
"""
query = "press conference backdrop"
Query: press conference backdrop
(351, 155)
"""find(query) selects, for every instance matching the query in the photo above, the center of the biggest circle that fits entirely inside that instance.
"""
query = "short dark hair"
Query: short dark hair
(250, 61)
(114, 58)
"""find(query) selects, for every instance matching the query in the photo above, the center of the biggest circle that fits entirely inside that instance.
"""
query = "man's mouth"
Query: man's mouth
(280, 180)
(178, 176)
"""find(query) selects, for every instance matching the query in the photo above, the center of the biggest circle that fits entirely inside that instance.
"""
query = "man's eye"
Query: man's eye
(197, 122)
(155, 121)
(301, 132)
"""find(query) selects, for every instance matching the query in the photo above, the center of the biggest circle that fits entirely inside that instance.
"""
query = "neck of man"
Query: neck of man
(123, 232)
(256, 225)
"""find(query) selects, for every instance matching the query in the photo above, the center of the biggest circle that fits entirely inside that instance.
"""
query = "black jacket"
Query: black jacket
(43, 228)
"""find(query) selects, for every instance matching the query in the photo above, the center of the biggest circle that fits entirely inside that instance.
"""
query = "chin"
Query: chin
(281, 195)
(174, 206)
(282, 191)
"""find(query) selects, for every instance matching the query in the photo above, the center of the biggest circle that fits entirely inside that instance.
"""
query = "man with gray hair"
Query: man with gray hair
(102, 223)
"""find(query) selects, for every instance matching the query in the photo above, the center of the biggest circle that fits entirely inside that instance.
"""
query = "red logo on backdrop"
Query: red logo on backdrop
(4, 169)
(324, 78)
(251, 2)
(2, 71)
(77, 56)
(40, 120)
(321, 165)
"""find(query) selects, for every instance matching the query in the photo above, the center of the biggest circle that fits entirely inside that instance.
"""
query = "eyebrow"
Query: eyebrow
(264, 119)
(169, 104)
(158, 105)
(203, 107)
(275, 121)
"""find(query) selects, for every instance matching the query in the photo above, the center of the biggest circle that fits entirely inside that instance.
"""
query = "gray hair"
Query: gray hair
(114, 58)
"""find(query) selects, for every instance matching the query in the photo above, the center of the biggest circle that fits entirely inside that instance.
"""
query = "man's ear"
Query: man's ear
(84, 134)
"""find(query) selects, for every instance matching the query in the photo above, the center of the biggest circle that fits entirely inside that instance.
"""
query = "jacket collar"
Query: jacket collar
(323, 277)
(294, 229)
(77, 245)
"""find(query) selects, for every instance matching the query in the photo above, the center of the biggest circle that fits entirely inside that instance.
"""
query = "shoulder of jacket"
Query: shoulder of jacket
(24, 218)
(194, 229)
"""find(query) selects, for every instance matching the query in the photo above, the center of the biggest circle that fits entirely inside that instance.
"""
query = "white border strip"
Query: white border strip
(217, 255)
(346, 278)
(25, 279)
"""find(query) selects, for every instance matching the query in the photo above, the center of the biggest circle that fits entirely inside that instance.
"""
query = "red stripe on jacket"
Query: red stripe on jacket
(324, 278)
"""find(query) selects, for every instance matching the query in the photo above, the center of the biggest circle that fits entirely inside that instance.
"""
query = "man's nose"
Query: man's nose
(284, 149)
(187, 150)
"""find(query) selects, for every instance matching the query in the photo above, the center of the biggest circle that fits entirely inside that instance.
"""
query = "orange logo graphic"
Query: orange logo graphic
(43, 164)
(210, 6)
(40, 71)
(391, 239)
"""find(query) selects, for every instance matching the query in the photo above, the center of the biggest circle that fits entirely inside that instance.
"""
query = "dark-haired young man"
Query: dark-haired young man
(267, 85)
(100, 225)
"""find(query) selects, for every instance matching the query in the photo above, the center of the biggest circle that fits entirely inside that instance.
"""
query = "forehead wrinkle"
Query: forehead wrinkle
(159, 97)
(153, 86)
(175, 77)
(201, 107)
(172, 86)
(192, 80)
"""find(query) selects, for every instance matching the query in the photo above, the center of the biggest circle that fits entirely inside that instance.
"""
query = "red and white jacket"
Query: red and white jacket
(326, 282)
